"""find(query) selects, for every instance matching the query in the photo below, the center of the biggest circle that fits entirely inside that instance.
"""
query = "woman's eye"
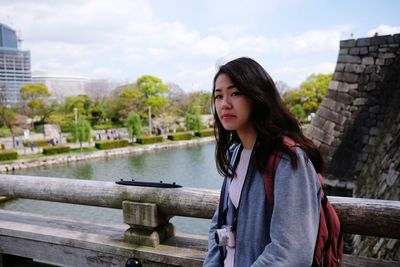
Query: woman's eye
(236, 93)
(218, 96)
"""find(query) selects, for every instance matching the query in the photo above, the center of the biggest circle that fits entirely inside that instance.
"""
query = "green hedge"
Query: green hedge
(111, 144)
(149, 139)
(8, 155)
(51, 150)
(38, 143)
(180, 136)
(204, 133)
(179, 130)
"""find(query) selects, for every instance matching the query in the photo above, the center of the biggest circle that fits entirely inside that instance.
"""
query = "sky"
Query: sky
(184, 41)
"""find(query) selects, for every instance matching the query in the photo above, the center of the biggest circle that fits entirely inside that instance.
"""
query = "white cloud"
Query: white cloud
(298, 74)
(211, 46)
(384, 29)
(126, 38)
(314, 41)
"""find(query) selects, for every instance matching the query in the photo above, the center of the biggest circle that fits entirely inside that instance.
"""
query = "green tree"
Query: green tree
(36, 95)
(310, 94)
(193, 119)
(203, 100)
(97, 113)
(154, 93)
(82, 102)
(81, 131)
(123, 100)
(298, 112)
(7, 118)
(134, 125)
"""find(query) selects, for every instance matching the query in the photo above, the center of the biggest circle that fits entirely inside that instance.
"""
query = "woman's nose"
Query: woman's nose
(226, 103)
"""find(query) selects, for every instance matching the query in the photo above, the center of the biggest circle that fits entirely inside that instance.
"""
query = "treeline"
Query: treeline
(149, 96)
(166, 103)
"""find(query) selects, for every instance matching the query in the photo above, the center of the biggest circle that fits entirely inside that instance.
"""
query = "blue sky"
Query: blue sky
(181, 41)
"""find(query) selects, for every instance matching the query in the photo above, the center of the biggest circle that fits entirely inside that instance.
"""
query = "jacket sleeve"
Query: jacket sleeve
(213, 255)
(295, 216)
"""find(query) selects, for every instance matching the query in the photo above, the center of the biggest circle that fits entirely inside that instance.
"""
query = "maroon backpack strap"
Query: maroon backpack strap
(269, 178)
(272, 165)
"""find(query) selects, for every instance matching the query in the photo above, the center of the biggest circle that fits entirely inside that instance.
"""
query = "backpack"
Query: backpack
(329, 245)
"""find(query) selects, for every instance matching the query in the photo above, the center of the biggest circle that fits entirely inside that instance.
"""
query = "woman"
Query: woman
(251, 122)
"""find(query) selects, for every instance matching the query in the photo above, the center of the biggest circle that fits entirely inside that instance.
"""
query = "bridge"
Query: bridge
(147, 235)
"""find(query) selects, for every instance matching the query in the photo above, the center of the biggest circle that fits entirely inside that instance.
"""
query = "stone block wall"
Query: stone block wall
(351, 117)
(357, 127)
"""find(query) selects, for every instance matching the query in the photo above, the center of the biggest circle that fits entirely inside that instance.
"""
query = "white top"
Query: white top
(235, 191)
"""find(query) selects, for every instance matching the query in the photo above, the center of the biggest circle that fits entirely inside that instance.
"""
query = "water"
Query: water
(192, 166)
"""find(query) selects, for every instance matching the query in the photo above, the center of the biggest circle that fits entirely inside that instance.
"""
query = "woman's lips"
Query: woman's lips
(227, 116)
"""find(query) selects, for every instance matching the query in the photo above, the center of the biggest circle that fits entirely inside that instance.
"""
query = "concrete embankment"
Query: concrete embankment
(29, 163)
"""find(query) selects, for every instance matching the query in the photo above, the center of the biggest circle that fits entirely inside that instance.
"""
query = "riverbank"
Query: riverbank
(58, 159)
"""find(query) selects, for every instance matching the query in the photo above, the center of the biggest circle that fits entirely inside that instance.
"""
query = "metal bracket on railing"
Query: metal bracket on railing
(147, 225)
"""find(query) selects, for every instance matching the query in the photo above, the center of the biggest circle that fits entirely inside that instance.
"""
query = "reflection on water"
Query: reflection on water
(84, 172)
(192, 166)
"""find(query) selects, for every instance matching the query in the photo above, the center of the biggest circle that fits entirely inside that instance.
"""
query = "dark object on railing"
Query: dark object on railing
(133, 262)
(147, 184)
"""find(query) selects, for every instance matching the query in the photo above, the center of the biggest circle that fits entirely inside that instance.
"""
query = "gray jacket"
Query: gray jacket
(285, 238)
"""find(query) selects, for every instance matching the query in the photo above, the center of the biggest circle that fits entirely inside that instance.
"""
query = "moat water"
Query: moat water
(191, 166)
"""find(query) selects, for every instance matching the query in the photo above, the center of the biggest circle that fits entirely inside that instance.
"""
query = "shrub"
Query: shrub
(38, 143)
(51, 150)
(111, 144)
(8, 155)
(205, 133)
(180, 136)
(149, 140)
(180, 129)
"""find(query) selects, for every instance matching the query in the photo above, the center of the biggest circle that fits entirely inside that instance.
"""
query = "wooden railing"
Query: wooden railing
(147, 211)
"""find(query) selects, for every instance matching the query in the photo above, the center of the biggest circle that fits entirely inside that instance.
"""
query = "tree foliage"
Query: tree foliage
(81, 131)
(97, 114)
(34, 91)
(36, 96)
(183, 102)
(193, 119)
(125, 99)
(8, 118)
(306, 100)
(154, 93)
(82, 102)
(134, 125)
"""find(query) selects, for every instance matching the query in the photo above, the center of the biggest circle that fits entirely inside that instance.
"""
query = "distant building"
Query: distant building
(15, 66)
(61, 85)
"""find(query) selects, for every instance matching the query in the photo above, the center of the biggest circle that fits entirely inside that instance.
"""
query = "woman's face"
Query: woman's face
(233, 109)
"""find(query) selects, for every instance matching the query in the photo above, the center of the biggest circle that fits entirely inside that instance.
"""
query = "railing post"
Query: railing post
(148, 226)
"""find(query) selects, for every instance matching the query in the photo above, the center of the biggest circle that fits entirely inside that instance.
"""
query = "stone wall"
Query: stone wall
(357, 127)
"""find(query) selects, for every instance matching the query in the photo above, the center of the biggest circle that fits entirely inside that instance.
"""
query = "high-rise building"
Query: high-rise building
(15, 66)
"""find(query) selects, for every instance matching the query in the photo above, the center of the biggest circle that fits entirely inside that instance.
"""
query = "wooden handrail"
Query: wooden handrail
(359, 216)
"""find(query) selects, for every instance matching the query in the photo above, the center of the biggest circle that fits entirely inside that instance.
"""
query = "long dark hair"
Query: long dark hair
(270, 117)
